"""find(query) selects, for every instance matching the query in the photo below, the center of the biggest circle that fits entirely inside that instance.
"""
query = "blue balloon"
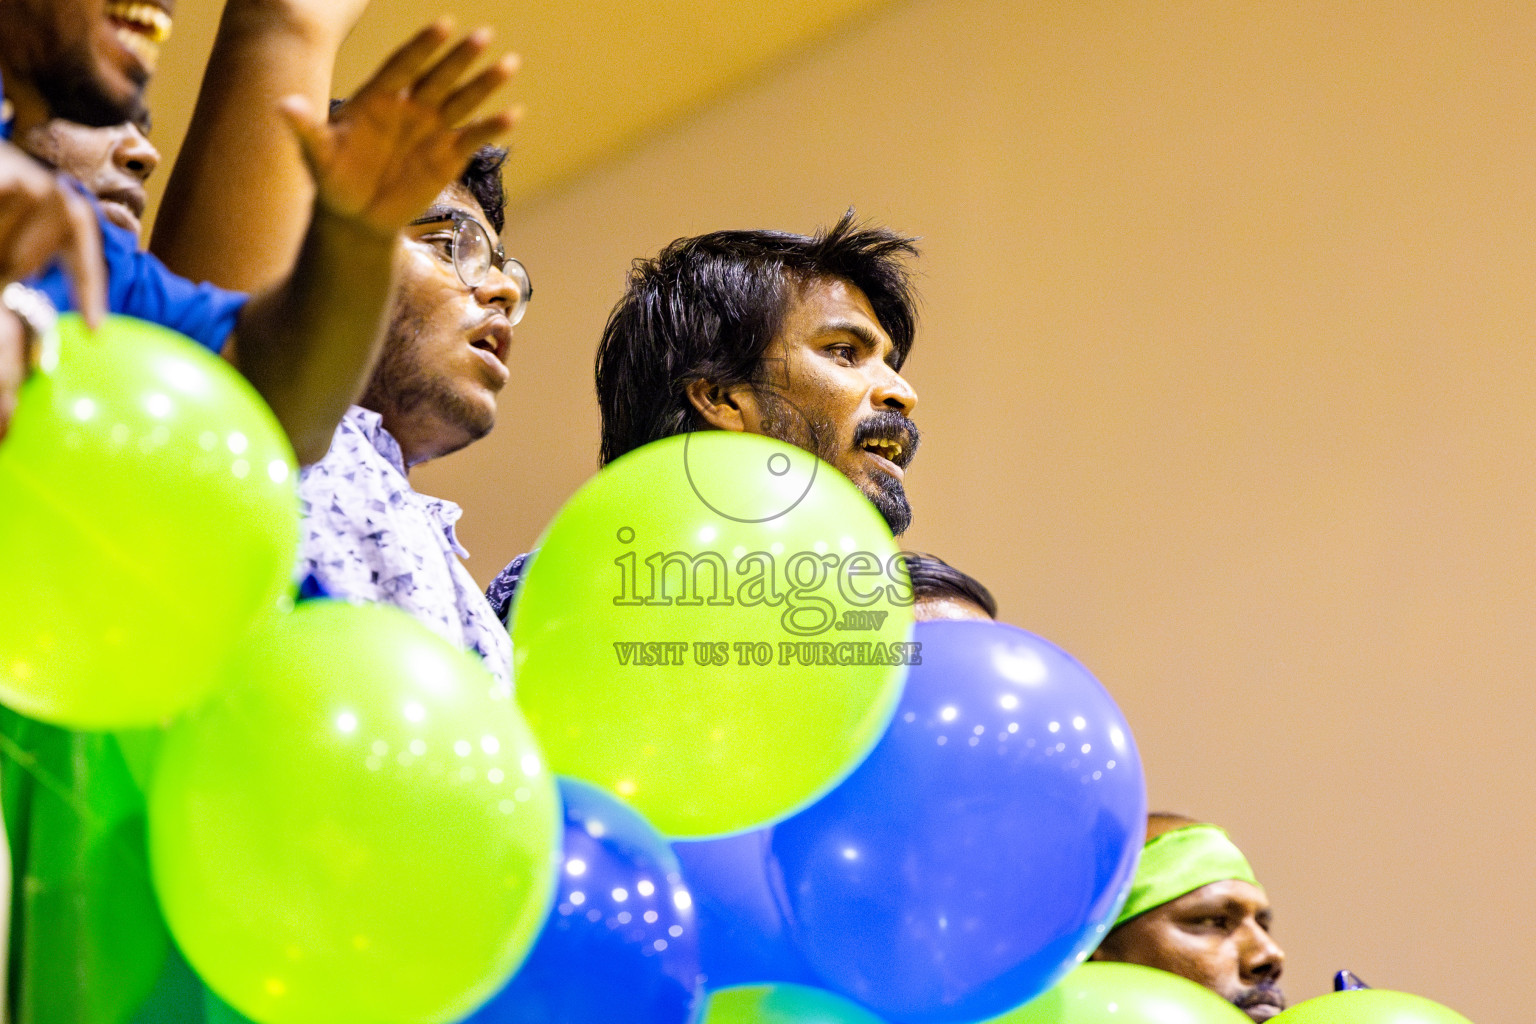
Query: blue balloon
(621, 945)
(984, 847)
(742, 936)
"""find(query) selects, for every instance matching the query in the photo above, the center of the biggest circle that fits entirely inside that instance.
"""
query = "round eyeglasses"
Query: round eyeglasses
(474, 254)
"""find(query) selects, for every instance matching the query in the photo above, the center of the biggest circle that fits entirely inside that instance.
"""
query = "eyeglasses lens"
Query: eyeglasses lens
(518, 275)
(473, 256)
(471, 253)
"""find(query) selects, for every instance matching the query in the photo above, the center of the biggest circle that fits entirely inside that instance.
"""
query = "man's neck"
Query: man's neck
(420, 440)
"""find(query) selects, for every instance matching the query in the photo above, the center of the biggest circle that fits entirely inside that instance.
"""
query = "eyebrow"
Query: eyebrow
(437, 212)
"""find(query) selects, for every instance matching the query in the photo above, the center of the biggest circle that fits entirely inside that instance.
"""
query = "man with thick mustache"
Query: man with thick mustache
(1197, 911)
(797, 337)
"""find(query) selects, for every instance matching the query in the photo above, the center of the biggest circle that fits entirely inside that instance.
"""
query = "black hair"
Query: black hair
(934, 579)
(707, 307)
(482, 177)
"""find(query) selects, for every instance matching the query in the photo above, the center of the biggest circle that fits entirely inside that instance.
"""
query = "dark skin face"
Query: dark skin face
(113, 163)
(829, 385)
(83, 60)
(445, 359)
(1217, 936)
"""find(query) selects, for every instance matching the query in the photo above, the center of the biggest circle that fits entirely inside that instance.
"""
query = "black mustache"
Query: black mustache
(890, 426)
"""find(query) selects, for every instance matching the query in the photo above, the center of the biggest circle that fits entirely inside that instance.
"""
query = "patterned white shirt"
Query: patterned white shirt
(368, 537)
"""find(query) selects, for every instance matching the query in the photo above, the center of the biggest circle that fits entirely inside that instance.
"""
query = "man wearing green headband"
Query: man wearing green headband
(1196, 910)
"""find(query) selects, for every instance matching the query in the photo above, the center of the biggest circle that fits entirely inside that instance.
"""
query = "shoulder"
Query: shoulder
(139, 285)
(504, 587)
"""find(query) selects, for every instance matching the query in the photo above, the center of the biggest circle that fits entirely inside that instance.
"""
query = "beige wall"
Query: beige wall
(1228, 387)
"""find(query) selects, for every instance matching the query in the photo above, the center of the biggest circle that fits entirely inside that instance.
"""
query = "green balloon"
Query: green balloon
(357, 828)
(87, 939)
(147, 516)
(1100, 992)
(713, 629)
(1370, 1006)
(782, 1004)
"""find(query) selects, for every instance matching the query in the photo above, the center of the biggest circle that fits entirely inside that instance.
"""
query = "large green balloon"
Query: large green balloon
(147, 516)
(782, 1004)
(1099, 992)
(357, 828)
(710, 630)
(1370, 1006)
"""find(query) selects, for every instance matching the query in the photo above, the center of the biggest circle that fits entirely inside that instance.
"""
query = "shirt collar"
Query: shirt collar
(371, 426)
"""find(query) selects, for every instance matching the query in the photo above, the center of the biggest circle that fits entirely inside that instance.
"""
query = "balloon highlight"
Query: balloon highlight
(621, 945)
(983, 848)
(359, 829)
(148, 518)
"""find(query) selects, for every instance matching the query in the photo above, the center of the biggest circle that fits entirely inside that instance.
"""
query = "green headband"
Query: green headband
(1179, 862)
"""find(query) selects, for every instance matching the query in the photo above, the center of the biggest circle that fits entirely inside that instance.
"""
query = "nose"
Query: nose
(894, 393)
(499, 290)
(136, 154)
(1262, 957)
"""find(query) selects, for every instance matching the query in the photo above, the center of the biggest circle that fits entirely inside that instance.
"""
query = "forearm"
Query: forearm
(309, 344)
(214, 223)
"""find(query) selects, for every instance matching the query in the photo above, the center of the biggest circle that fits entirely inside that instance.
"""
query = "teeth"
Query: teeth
(155, 22)
(141, 47)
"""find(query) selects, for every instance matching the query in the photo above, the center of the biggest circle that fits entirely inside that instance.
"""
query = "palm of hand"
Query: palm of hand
(407, 133)
(388, 157)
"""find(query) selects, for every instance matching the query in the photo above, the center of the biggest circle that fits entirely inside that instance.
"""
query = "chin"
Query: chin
(1262, 1012)
(890, 500)
(474, 421)
(120, 215)
(893, 508)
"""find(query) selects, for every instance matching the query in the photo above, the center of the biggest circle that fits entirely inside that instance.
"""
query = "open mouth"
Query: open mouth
(495, 338)
(141, 28)
(887, 449)
(891, 438)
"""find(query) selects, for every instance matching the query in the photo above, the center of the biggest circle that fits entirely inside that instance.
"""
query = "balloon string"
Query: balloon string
(27, 762)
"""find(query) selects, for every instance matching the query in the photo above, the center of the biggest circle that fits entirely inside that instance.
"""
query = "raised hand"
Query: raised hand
(407, 133)
(330, 19)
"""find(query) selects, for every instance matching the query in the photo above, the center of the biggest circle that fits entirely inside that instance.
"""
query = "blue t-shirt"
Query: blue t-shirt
(139, 285)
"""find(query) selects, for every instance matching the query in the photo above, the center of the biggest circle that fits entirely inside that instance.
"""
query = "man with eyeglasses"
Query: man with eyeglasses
(368, 536)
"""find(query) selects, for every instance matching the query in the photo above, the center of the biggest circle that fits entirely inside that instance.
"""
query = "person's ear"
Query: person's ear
(723, 408)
